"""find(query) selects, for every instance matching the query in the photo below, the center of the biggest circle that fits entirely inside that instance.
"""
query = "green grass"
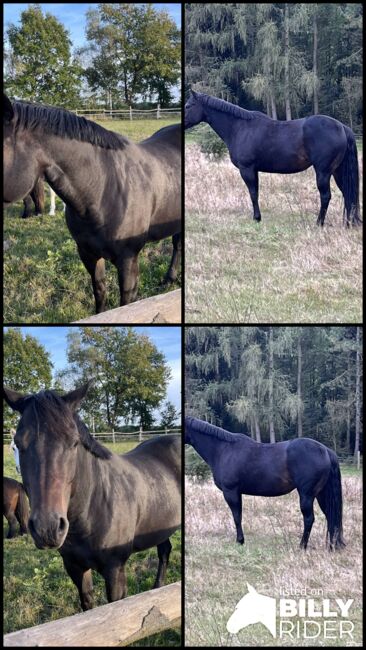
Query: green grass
(217, 569)
(44, 278)
(283, 269)
(37, 588)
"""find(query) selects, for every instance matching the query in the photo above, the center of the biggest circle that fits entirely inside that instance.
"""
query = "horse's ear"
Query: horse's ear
(8, 109)
(251, 589)
(74, 398)
(15, 400)
(194, 94)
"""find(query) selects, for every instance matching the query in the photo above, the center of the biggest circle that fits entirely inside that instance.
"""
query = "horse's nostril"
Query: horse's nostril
(62, 525)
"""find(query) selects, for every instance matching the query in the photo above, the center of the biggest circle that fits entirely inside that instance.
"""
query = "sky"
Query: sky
(166, 339)
(72, 15)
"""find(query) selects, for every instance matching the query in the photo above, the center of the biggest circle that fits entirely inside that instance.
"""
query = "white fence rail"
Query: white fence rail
(128, 114)
(120, 436)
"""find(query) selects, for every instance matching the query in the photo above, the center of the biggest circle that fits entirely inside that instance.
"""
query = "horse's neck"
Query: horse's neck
(222, 123)
(90, 471)
(208, 447)
(58, 170)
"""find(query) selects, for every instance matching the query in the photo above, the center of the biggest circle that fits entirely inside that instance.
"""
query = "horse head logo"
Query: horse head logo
(253, 608)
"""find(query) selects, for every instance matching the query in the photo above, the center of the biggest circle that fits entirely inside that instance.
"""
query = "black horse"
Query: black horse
(242, 466)
(16, 508)
(36, 198)
(118, 194)
(256, 143)
(95, 507)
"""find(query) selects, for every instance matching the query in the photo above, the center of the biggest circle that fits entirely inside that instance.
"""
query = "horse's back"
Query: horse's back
(166, 450)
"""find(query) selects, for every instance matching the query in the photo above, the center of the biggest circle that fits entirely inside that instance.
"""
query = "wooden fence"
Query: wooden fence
(128, 114)
(116, 624)
(164, 308)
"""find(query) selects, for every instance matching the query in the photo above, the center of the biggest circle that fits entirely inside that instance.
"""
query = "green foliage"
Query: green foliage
(194, 466)
(137, 51)
(169, 415)
(40, 67)
(308, 385)
(27, 367)
(130, 374)
(273, 57)
(210, 143)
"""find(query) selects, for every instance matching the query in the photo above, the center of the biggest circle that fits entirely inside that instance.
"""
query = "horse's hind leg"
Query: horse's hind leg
(28, 204)
(172, 273)
(323, 183)
(233, 499)
(163, 553)
(306, 505)
(96, 269)
(82, 580)
(128, 276)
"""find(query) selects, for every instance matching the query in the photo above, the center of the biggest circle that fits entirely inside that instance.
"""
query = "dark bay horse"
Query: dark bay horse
(95, 507)
(241, 465)
(256, 143)
(16, 508)
(118, 194)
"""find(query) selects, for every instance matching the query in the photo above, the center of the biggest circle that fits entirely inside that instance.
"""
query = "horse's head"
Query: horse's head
(22, 164)
(193, 111)
(47, 438)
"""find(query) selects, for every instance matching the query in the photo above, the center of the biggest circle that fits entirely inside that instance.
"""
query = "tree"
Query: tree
(135, 49)
(40, 66)
(130, 374)
(27, 367)
(169, 415)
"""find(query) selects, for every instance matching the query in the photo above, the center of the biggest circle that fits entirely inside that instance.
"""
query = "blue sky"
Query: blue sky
(72, 15)
(166, 339)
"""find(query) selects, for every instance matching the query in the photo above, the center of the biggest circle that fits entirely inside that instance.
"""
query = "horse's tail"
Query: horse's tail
(347, 176)
(22, 510)
(330, 500)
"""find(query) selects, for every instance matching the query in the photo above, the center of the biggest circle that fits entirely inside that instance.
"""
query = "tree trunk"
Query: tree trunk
(357, 396)
(315, 64)
(257, 429)
(272, 436)
(287, 62)
(273, 106)
(299, 372)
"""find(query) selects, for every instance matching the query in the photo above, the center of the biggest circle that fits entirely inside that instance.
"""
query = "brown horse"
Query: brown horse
(16, 508)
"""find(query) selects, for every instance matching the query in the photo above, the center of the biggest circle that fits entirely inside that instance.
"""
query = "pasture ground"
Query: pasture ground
(37, 588)
(44, 278)
(284, 269)
(217, 569)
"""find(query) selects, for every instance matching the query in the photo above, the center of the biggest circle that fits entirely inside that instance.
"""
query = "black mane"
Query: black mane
(211, 430)
(56, 414)
(227, 107)
(65, 124)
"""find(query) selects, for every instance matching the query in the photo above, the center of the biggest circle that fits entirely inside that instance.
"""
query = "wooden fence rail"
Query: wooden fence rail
(164, 308)
(116, 624)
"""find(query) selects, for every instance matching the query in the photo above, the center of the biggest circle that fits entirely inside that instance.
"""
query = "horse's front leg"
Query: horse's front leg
(82, 579)
(115, 582)
(172, 273)
(250, 178)
(233, 499)
(128, 276)
(96, 269)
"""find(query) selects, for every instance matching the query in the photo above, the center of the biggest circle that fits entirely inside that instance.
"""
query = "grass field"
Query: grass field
(284, 269)
(37, 588)
(44, 278)
(217, 569)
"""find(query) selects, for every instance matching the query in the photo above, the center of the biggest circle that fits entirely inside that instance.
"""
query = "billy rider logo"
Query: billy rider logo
(315, 617)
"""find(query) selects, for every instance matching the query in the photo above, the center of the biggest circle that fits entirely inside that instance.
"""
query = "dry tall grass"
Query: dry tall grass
(285, 269)
(217, 569)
